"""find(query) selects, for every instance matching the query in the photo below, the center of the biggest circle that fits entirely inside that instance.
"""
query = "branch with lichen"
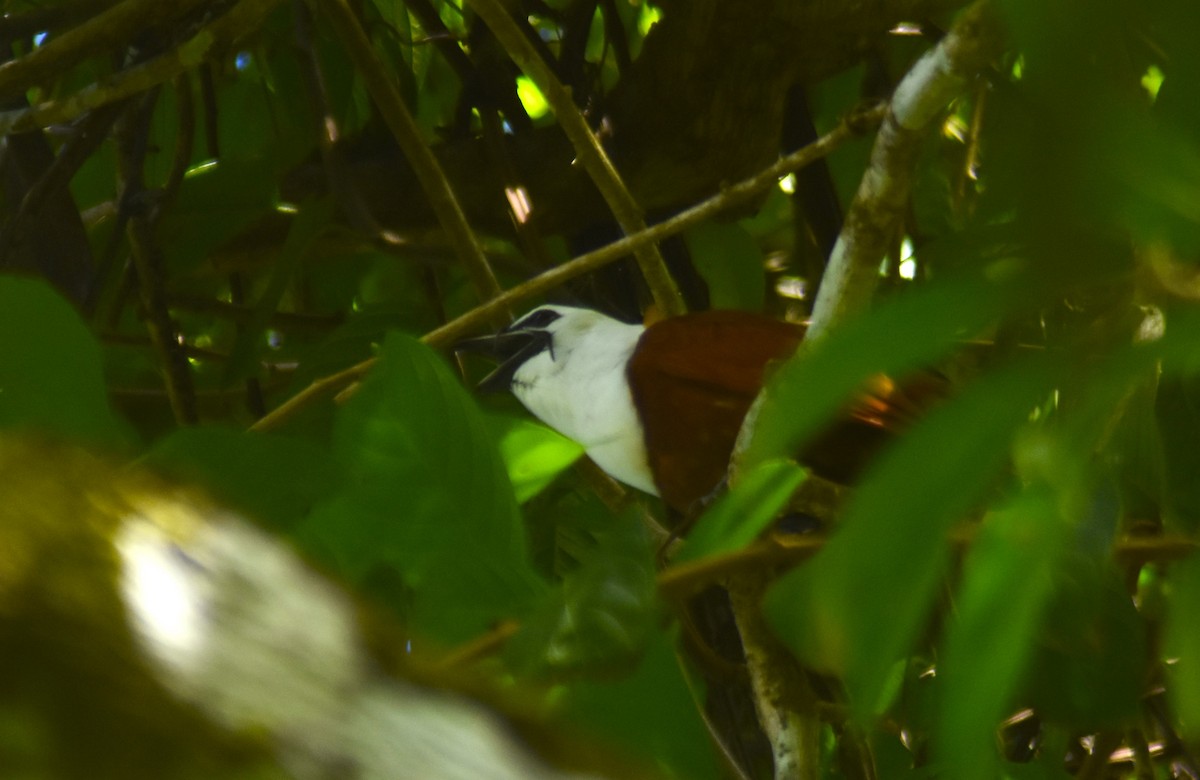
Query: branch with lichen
(875, 216)
(872, 225)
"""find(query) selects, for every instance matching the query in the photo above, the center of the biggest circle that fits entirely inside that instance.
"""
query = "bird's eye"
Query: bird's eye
(537, 319)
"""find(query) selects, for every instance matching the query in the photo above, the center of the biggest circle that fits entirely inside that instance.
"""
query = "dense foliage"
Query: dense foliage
(205, 211)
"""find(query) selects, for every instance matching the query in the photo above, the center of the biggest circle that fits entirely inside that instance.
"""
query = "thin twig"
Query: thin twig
(133, 132)
(479, 317)
(682, 580)
(588, 151)
(429, 172)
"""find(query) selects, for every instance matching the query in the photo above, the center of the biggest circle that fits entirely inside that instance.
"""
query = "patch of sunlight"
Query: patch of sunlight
(532, 98)
(1152, 80)
(648, 18)
(200, 168)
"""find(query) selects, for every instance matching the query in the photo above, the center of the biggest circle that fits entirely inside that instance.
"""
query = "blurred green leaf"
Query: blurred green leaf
(533, 454)
(1178, 411)
(903, 334)
(860, 604)
(741, 514)
(731, 262)
(1009, 576)
(277, 479)
(1183, 643)
(426, 497)
(50, 369)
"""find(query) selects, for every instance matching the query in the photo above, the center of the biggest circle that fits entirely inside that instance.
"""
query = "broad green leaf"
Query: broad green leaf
(277, 479)
(731, 262)
(857, 608)
(740, 515)
(427, 499)
(1008, 579)
(533, 454)
(51, 377)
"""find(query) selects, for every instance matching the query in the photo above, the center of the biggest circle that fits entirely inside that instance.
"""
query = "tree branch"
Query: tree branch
(477, 318)
(876, 213)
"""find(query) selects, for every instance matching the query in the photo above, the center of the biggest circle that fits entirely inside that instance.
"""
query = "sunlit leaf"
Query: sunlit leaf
(533, 454)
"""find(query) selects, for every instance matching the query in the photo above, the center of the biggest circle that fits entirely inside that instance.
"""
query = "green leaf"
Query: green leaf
(730, 261)
(533, 454)
(277, 479)
(427, 500)
(740, 515)
(51, 378)
(1008, 580)
(858, 607)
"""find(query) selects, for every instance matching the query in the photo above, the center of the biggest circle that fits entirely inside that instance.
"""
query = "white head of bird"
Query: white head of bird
(567, 365)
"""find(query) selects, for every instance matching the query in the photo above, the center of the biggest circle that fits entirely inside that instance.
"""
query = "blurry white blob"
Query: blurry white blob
(237, 624)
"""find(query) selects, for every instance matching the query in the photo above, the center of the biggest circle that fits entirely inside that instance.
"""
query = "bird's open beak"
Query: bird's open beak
(510, 348)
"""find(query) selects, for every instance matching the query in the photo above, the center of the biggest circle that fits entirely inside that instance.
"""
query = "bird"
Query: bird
(659, 407)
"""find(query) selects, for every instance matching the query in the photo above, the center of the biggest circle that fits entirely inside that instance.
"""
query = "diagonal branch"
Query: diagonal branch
(589, 153)
(429, 172)
(478, 318)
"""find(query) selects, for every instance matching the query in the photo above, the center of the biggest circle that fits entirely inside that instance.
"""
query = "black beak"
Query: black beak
(510, 348)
